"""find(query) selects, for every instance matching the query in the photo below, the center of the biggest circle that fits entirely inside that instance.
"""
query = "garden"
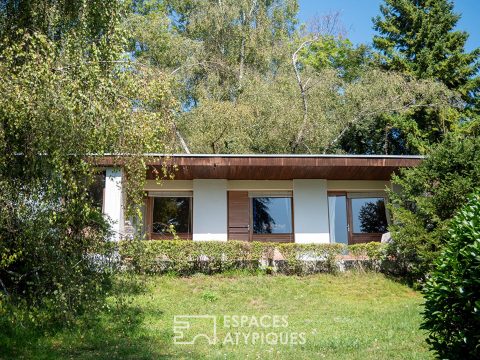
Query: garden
(86, 80)
(350, 315)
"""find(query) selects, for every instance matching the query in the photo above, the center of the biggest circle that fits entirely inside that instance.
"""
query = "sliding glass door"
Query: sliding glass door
(356, 217)
(337, 214)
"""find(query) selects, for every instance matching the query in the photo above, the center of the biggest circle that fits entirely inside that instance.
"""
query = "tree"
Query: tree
(210, 47)
(65, 101)
(248, 81)
(430, 196)
(56, 19)
(336, 52)
(418, 38)
(220, 40)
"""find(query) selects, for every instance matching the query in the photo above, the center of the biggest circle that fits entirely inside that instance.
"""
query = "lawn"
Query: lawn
(348, 316)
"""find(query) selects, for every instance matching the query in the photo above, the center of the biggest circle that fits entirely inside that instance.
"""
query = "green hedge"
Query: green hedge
(188, 257)
(452, 293)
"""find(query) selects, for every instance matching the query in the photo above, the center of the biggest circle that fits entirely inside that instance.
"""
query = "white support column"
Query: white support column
(310, 203)
(210, 209)
(113, 203)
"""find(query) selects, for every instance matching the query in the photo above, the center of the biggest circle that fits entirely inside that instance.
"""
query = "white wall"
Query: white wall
(210, 209)
(113, 204)
(357, 185)
(310, 203)
(178, 185)
(259, 185)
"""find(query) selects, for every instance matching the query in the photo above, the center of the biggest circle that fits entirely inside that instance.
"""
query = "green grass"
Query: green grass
(349, 316)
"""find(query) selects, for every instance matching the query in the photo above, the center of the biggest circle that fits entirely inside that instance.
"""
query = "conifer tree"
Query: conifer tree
(419, 37)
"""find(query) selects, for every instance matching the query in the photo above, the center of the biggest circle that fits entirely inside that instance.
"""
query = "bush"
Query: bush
(187, 257)
(452, 307)
(367, 256)
(430, 195)
(47, 266)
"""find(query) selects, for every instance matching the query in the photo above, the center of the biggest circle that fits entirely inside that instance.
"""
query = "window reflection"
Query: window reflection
(368, 215)
(174, 211)
(97, 189)
(272, 215)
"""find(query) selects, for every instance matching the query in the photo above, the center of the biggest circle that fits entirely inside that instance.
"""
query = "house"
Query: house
(280, 198)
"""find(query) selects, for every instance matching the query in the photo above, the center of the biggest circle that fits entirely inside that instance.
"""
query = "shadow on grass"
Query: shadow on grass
(86, 340)
(117, 333)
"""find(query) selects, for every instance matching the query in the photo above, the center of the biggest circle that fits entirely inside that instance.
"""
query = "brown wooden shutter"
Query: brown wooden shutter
(238, 215)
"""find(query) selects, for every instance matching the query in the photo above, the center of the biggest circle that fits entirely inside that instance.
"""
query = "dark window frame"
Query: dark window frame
(99, 178)
(360, 237)
(252, 227)
(352, 214)
(150, 203)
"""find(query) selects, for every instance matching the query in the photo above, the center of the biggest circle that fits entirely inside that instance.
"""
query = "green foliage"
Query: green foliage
(329, 51)
(57, 19)
(66, 99)
(233, 77)
(372, 250)
(430, 195)
(268, 114)
(209, 296)
(208, 45)
(419, 38)
(368, 256)
(452, 293)
(187, 257)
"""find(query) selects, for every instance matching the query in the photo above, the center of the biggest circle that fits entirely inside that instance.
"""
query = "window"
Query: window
(96, 190)
(176, 211)
(368, 215)
(356, 217)
(337, 215)
(272, 215)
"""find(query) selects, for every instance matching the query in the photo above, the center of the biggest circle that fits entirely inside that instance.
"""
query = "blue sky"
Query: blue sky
(356, 16)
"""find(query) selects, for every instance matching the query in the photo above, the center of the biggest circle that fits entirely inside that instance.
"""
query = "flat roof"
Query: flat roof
(373, 156)
(273, 166)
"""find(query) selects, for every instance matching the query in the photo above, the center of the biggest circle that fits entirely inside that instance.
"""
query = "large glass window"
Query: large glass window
(174, 211)
(337, 215)
(368, 215)
(272, 215)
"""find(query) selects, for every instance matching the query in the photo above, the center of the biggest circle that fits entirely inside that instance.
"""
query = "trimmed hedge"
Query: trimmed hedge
(188, 257)
(367, 256)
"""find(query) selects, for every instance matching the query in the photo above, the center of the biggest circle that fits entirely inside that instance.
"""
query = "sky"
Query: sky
(356, 17)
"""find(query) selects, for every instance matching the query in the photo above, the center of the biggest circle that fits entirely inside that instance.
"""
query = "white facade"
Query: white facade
(113, 203)
(310, 203)
(210, 202)
(210, 209)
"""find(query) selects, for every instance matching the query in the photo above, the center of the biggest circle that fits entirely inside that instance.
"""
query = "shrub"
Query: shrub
(188, 257)
(64, 96)
(430, 195)
(452, 307)
(371, 250)
(51, 272)
(367, 256)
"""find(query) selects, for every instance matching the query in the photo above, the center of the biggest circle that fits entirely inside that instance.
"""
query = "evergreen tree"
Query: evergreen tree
(419, 37)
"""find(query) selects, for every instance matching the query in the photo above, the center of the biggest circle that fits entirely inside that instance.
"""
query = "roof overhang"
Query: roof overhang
(275, 167)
